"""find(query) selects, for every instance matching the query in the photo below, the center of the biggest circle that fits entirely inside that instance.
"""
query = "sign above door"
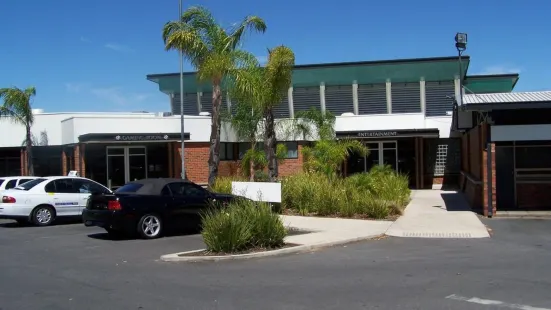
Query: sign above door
(131, 137)
(397, 133)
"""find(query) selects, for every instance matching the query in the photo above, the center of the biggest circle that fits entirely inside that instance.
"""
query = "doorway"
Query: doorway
(125, 164)
(381, 153)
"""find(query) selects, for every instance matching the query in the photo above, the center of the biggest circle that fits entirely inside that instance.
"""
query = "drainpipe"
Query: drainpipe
(489, 175)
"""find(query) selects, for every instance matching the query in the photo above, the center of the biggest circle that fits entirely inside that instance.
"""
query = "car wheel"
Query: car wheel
(43, 216)
(150, 226)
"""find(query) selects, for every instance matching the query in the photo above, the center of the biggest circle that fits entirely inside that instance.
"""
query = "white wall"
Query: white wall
(521, 132)
(393, 121)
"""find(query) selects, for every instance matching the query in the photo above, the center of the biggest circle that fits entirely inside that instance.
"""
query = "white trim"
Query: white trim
(355, 98)
(521, 132)
(290, 102)
(322, 97)
(389, 97)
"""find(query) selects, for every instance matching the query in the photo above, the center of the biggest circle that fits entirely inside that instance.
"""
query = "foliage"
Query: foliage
(362, 195)
(328, 156)
(242, 225)
(222, 185)
(264, 88)
(17, 107)
(214, 52)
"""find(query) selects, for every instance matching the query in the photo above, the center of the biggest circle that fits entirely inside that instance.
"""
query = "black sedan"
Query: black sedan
(150, 206)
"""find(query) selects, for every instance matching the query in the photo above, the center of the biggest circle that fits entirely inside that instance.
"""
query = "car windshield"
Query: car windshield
(129, 188)
(28, 185)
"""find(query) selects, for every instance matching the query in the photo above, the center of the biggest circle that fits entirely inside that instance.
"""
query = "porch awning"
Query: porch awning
(385, 134)
(131, 137)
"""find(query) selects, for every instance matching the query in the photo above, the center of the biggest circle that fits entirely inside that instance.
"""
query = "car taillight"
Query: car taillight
(8, 199)
(114, 205)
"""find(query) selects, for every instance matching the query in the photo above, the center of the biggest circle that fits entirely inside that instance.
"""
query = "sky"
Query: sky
(94, 55)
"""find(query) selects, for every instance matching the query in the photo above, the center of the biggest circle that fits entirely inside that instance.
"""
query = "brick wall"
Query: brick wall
(533, 195)
(78, 155)
(485, 179)
(197, 168)
(23, 159)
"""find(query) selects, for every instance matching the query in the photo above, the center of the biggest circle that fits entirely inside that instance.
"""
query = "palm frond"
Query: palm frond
(17, 104)
(249, 23)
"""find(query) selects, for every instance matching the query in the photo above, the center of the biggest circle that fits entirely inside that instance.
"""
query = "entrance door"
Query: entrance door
(125, 164)
(382, 153)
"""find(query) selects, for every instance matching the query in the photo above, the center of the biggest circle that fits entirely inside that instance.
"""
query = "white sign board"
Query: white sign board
(258, 191)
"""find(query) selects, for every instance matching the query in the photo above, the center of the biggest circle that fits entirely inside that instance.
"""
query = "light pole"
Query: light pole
(182, 129)
(461, 45)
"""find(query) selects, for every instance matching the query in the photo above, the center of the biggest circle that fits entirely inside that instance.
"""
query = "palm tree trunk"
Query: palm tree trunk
(251, 162)
(214, 152)
(28, 147)
(270, 144)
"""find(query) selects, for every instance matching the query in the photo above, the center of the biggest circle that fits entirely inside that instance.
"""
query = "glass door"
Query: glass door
(125, 164)
(381, 153)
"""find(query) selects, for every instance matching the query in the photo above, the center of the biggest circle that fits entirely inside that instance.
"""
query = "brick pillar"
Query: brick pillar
(485, 177)
(78, 155)
(63, 163)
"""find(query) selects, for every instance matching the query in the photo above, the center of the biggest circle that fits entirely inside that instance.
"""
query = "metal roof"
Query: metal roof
(539, 96)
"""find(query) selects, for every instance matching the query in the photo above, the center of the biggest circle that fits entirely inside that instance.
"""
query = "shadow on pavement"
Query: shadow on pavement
(455, 201)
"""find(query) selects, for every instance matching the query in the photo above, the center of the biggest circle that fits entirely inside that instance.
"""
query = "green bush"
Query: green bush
(242, 225)
(378, 194)
(222, 185)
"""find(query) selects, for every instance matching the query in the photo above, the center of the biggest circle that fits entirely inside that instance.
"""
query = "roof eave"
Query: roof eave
(486, 107)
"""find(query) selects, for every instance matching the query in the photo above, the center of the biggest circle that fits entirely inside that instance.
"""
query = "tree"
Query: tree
(265, 88)
(215, 54)
(17, 108)
(327, 155)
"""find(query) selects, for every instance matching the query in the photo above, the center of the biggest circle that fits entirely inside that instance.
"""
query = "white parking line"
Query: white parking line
(489, 302)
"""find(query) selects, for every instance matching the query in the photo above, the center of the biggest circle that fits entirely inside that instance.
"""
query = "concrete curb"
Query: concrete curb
(175, 257)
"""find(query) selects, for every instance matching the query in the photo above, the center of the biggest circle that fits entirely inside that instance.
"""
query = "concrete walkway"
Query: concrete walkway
(438, 214)
(330, 231)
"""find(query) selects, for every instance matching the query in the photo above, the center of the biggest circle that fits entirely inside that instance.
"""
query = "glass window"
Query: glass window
(292, 149)
(21, 181)
(11, 184)
(115, 151)
(28, 185)
(243, 148)
(61, 186)
(226, 151)
(129, 188)
(166, 191)
(533, 157)
(136, 151)
(88, 187)
(187, 190)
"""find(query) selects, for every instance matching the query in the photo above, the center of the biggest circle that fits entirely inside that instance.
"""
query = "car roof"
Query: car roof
(16, 178)
(154, 186)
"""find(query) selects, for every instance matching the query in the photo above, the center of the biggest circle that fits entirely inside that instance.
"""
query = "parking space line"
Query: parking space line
(489, 302)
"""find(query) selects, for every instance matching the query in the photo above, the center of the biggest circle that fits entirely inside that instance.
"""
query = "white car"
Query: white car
(11, 182)
(42, 200)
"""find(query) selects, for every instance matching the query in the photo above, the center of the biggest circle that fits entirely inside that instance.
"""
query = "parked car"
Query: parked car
(42, 200)
(11, 182)
(150, 206)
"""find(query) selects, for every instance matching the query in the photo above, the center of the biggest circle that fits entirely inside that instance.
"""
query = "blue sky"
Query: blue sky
(94, 55)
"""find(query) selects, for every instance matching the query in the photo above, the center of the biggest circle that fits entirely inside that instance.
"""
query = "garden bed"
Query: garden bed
(244, 252)
(291, 212)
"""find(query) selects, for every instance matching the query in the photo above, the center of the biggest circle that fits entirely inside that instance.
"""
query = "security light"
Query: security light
(461, 41)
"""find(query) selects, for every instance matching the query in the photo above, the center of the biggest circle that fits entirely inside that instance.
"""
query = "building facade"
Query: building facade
(402, 109)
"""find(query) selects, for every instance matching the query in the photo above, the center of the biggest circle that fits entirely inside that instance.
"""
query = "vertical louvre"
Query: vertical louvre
(190, 104)
(338, 99)
(282, 109)
(406, 98)
(206, 102)
(437, 98)
(372, 99)
(305, 98)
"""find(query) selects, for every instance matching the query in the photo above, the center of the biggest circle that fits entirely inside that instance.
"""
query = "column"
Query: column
(423, 98)
(355, 97)
(198, 102)
(322, 97)
(290, 102)
(229, 101)
(389, 97)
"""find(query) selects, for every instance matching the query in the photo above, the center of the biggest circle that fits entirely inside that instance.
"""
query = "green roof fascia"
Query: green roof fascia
(369, 72)
(492, 83)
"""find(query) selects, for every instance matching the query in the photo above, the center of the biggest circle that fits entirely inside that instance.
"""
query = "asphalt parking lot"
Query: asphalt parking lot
(74, 267)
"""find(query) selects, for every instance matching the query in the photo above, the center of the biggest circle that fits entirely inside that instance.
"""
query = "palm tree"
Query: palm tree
(17, 108)
(265, 87)
(327, 155)
(215, 54)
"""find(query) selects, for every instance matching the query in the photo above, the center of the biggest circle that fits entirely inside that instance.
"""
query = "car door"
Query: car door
(188, 201)
(65, 198)
(84, 188)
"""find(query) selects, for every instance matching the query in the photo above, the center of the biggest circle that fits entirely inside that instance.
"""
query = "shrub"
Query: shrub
(222, 185)
(242, 225)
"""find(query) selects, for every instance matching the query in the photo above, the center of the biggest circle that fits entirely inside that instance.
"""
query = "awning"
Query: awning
(385, 134)
(131, 137)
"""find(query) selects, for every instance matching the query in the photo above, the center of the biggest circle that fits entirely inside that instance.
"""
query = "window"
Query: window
(187, 190)
(28, 185)
(61, 186)
(21, 181)
(11, 184)
(166, 191)
(1, 181)
(292, 149)
(226, 151)
(532, 157)
(88, 187)
(129, 188)
(443, 156)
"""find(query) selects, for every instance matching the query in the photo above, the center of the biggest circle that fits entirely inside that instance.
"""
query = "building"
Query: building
(507, 151)
(402, 109)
